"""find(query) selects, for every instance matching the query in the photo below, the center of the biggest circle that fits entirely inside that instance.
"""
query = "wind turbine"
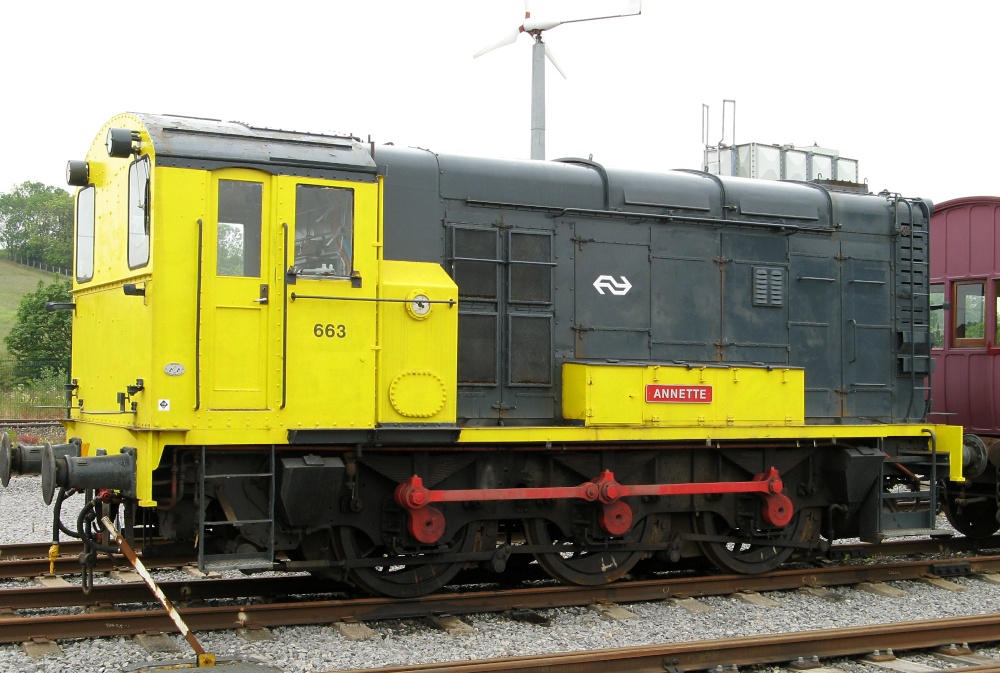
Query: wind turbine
(539, 52)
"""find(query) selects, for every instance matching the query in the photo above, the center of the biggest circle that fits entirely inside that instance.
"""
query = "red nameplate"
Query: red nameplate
(679, 394)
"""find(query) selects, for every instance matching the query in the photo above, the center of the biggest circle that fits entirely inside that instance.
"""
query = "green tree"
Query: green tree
(36, 222)
(40, 339)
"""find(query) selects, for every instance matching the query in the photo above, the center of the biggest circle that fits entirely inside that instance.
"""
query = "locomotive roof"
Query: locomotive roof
(191, 138)
(572, 184)
(583, 187)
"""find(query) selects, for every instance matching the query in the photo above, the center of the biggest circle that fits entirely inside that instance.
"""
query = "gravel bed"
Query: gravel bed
(323, 648)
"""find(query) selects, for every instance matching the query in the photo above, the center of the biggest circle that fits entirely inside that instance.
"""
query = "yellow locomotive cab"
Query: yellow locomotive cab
(242, 304)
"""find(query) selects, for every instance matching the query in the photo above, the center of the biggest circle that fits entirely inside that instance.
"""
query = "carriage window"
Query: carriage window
(969, 314)
(85, 235)
(996, 313)
(238, 250)
(138, 213)
(937, 314)
(324, 231)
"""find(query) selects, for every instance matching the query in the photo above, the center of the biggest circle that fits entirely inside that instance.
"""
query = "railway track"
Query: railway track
(31, 559)
(19, 624)
(21, 423)
(804, 648)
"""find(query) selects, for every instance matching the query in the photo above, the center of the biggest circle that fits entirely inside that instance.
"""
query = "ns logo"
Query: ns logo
(611, 285)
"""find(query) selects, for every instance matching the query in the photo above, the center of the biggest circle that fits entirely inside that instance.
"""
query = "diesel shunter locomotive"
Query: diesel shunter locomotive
(385, 365)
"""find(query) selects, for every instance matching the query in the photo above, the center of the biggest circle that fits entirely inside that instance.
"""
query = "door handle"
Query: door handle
(263, 295)
(854, 340)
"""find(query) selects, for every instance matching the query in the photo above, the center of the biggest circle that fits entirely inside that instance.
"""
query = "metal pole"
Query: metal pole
(538, 99)
(204, 659)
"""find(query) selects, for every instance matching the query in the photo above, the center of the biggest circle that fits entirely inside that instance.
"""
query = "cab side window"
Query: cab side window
(324, 231)
(85, 235)
(138, 213)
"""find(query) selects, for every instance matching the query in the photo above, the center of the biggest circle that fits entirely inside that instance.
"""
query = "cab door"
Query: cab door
(236, 291)
(332, 239)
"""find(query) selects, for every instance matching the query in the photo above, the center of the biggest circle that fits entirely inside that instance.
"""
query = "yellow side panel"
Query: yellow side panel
(118, 326)
(180, 209)
(243, 373)
(678, 395)
(948, 439)
(418, 345)
(330, 357)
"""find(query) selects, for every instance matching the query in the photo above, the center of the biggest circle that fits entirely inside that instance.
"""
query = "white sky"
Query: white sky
(904, 87)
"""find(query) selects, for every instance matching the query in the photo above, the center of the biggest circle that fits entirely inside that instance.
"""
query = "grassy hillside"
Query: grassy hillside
(15, 282)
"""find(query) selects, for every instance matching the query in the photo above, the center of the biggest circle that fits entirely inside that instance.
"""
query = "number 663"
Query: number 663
(331, 331)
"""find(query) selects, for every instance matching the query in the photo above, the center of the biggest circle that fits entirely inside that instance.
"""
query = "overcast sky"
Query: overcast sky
(904, 87)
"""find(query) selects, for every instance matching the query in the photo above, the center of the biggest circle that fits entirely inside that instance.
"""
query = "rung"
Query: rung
(243, 562)
(241, 476)
(906, 495)
(916, 532)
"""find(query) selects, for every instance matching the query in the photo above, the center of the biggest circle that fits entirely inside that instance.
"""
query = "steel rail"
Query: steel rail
(755, 650)
(71, 548)
(902, 547)
(28, 423)
(36, 597)
(70, 565)
(31, 559)
(36, 550)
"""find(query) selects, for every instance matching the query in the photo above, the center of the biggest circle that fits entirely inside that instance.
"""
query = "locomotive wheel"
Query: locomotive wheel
(759, 553)
(394, 579)
(974, 520)
(589, 567)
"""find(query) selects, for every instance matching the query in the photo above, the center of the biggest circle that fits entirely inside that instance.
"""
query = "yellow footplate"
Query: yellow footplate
(669, 395)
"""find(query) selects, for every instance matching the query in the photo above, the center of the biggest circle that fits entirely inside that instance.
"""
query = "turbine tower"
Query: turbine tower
(539, 52)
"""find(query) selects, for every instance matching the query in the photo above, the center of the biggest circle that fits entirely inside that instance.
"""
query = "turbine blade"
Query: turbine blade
(634, 8)
(503, 42)
(551, 57)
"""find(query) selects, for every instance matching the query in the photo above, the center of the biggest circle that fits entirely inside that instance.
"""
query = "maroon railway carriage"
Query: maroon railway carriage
(965, 328)
(965, 294)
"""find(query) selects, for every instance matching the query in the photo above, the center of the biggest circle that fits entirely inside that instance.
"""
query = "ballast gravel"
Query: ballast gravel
(322, 648)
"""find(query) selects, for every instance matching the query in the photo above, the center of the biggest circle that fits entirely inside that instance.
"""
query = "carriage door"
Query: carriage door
(236, 289)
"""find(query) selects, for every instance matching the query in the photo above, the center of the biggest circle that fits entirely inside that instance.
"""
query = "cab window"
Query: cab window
(85, 235)
(324, 231)
(970, 314)
(138, 213)
(239, 228)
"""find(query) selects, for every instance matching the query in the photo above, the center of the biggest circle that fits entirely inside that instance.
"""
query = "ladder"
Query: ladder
(913, 301)
(910, 511)
(214, 477)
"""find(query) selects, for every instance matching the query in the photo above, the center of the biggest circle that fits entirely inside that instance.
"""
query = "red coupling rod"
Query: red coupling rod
(427, 523)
